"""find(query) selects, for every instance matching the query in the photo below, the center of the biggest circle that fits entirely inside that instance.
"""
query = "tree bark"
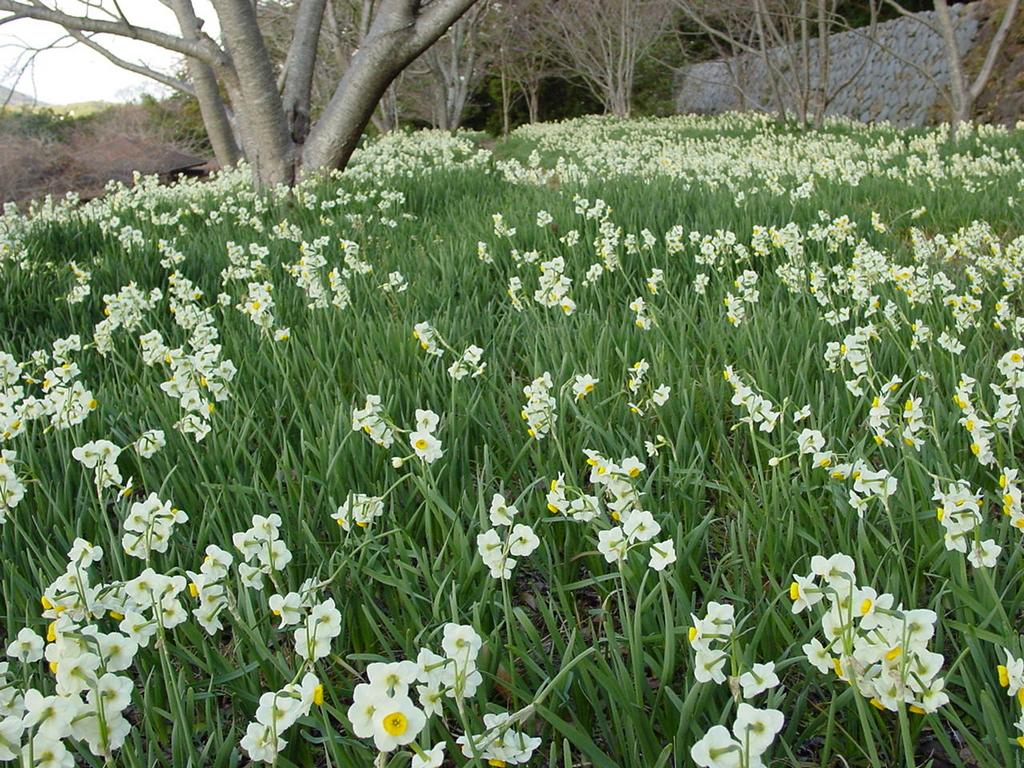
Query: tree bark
(398, 35)
(204, 81)
(266, 128)
(298, 68)
(272, 152)
(533, 101)
(957, 85)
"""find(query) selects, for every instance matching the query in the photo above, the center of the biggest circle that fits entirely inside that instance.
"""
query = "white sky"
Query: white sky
(77, 73)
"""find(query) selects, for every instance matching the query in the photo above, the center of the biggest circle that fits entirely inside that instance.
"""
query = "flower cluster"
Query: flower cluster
(198, 379)
(277, 712)
(871, 642)
(500, 545)
(149, 525)
(263, 550)
(359, 509)
(753, 733)
(761, 411)
(541, 410)
(643, 395)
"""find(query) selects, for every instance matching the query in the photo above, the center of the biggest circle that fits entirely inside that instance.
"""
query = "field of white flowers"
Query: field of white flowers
(654, 443)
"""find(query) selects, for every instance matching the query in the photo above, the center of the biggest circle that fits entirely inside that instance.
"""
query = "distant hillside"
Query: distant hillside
(15, 99)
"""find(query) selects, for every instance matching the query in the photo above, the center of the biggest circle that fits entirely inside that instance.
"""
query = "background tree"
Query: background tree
(525, 55)
(456, 64)
(962, 92)
(784, 45)
(602, 42)
(251, 106)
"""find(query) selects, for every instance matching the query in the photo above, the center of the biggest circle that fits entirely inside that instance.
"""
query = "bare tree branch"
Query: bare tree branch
(297, 73)
(205, 49)
(139, 69)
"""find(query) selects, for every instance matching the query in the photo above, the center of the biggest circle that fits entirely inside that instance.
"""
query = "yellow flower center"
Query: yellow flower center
(396, 724)
(420, 444)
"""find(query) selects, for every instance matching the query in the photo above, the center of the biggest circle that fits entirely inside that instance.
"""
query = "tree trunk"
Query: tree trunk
(506, 106)
(400, 31)
(204, 81)
(298, 68)
(272, 151)
(957, 86)
(533, 101)
(396, 38)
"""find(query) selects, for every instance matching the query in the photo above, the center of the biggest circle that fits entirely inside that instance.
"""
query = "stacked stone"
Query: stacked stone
(891, 78)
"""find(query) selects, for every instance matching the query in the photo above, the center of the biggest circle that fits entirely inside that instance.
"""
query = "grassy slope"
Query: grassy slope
(284, 443)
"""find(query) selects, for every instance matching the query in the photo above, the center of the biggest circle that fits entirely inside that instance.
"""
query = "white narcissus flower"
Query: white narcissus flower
(663, 554)
(818, 656)
(718, 749)
(1011, 674)
(426, 420)
(501, 513)
(287, 607)
(810, 441)
(396, 721)
(612, 544)
(394, 677)
(430, 758)
(709, 665)
(460, 642)
(84, 554)
(640, 526)
(261, 743)
(661, 395)
(362, 710)
(984, 554)
(150, 442)
(759, 679)
(804, 593)
(426, 446)
(27, 647)
(522, 541)
(11, 730)
(51, 716)
(583, 385)
(755, 729)
(49, 753)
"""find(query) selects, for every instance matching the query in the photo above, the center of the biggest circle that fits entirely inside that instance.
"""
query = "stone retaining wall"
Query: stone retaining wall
(886, 75)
